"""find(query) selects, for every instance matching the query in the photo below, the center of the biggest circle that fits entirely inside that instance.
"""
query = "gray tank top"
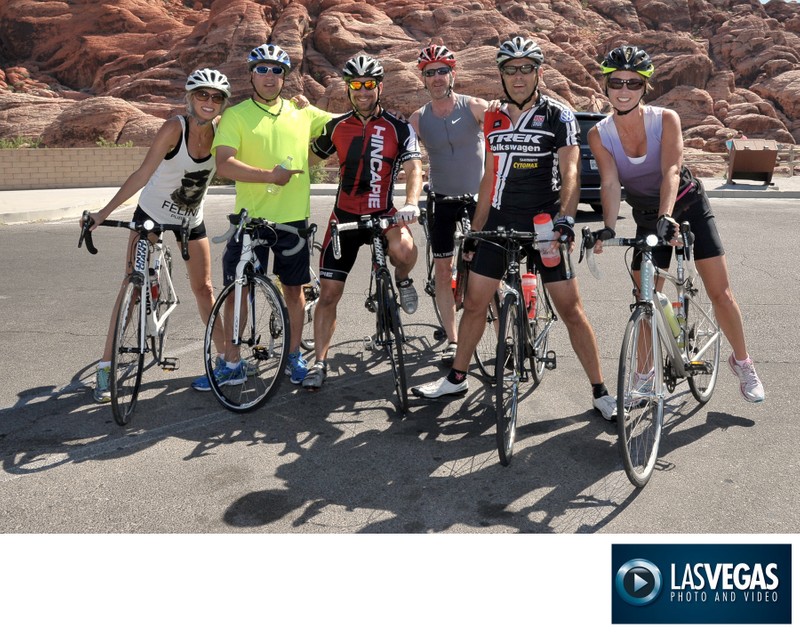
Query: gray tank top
(455, 148)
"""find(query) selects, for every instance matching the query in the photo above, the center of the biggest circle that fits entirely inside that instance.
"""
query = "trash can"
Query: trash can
(752, 159)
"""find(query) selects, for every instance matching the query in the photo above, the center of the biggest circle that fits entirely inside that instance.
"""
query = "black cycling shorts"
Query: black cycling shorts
(442, 220)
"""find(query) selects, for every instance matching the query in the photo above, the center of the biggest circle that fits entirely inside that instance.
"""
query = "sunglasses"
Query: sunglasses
(633, 84)
(202, 95)
(525, 69)
(265, 70)
(432, 72)
(369, 84)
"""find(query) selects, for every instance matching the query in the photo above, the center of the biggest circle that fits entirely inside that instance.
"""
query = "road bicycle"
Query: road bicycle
(381, 299)
(485, 350)
(523, 333)
(664, 343)
(140, 325)
(311, 292)
(258, 318)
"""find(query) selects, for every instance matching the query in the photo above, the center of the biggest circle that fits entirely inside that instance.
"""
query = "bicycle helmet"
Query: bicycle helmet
(628, 58)
(208, 78)
(433, 54)
(269, 53)
(519, 48)
(363, 66)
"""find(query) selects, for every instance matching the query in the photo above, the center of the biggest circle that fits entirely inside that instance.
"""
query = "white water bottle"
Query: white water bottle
(272, 188)
(548, 249)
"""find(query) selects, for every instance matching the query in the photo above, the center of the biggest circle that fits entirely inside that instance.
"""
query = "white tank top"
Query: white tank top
(177, 188)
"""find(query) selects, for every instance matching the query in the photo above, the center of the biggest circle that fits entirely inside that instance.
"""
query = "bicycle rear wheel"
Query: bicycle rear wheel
(390, 337)
(166, 297)
(127, 356)
(640, 397)
(263, 348)
(311, 291)
(540, 330)
(430, 284)
(703, 339)
(486, 351)
(508, 369)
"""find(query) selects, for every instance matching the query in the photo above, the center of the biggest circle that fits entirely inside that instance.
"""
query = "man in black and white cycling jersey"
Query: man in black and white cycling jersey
(532, 158)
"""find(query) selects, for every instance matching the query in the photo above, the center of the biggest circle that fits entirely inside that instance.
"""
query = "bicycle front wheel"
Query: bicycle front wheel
(540, 330)
(508, 372)
(486, 351)
(640, 397)
(263, 347)
(311, 292)
(127, 356)
(703, 339)
(390, 336)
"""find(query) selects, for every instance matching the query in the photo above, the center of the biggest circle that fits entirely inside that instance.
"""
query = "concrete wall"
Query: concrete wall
(67, 168)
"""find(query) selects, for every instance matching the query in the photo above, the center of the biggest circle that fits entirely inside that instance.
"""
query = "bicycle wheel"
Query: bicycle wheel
(166, 297)
(508, 369)
(263, 348)
(390, 337)
(430, 285)
(127, 356)
(703, 339)
(486, 351)
(311, 292)
(540, 331)
(640, 397)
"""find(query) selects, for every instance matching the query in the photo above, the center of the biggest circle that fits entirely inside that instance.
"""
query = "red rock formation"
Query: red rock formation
(71, 72)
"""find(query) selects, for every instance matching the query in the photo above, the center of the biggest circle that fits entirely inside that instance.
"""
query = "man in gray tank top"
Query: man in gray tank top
(450, 127)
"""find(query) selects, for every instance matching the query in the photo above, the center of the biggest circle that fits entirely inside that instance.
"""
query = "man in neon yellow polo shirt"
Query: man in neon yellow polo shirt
(252, 140)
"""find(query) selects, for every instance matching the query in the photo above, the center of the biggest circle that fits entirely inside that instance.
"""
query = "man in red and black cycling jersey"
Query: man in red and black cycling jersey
(372, 146)
(531, 167)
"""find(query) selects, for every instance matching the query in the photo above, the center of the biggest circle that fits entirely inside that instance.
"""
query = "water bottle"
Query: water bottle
(680, 315)
(272, 189)
(670, 314)
(154, 289)
(529, 293)
(548, 250)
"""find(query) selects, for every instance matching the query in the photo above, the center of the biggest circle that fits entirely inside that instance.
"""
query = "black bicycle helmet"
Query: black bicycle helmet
(628, 58)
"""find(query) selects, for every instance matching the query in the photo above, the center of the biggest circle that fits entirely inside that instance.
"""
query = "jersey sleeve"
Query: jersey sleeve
(323, 145)
(408, 141)
(318, 118)
(228, 133)
(568, 132)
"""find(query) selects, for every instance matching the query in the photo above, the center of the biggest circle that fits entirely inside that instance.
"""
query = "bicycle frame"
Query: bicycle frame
(150, 323)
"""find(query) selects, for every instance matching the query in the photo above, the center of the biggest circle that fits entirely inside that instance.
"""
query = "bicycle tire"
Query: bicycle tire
(390, 337)
(264, 346)
(703, 341)
(127, 356)
(640, 400)
(430, 284)
(486, 351)
(311, 292)
(508, 369)
(166, 297)
(540, 331)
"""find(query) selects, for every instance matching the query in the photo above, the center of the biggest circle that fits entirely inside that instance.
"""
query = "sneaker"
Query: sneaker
(449, 354)
(443, 386)
(408, 296)
(101, 393)
(315, 377)
(296, 367)
(223, 376)
(751, 387)
(606, 406)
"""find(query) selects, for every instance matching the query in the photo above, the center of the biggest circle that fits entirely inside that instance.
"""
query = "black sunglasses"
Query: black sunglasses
(265, 70)
(615, 83)
(432, 72)
(525, 69)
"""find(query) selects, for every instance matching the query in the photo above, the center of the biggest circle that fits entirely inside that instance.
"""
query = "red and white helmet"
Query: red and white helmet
(435, 54)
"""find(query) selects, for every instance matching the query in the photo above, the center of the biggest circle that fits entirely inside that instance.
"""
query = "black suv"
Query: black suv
(590, 177)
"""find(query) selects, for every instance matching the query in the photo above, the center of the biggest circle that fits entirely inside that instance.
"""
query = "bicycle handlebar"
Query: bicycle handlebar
(146, 227)
(243, 221)
(373, 223)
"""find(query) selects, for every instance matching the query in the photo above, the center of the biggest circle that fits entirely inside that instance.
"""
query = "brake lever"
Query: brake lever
(86, 234)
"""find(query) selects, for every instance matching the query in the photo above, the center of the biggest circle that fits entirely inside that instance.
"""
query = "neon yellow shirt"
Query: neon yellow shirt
(264, 140)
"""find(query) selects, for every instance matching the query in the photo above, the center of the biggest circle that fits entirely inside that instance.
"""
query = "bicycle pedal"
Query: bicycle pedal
(170, 364)
(550, 360)
(369, 343)
(439, 334)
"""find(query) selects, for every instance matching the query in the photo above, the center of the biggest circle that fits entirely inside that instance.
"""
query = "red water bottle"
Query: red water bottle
(529, 294)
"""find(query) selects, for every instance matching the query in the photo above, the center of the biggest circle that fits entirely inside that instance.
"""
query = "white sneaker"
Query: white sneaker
(751, 387)
(606, 406)
(443, 386)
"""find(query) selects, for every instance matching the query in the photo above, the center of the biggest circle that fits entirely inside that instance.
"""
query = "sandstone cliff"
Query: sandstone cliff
(72, 71)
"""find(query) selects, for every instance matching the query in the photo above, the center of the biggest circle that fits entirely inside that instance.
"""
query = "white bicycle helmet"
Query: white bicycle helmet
(363, 66)
(270, 53)
(519, 48)
(208, 78)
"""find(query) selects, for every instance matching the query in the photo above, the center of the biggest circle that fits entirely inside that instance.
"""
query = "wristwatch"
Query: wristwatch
(568, 219)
